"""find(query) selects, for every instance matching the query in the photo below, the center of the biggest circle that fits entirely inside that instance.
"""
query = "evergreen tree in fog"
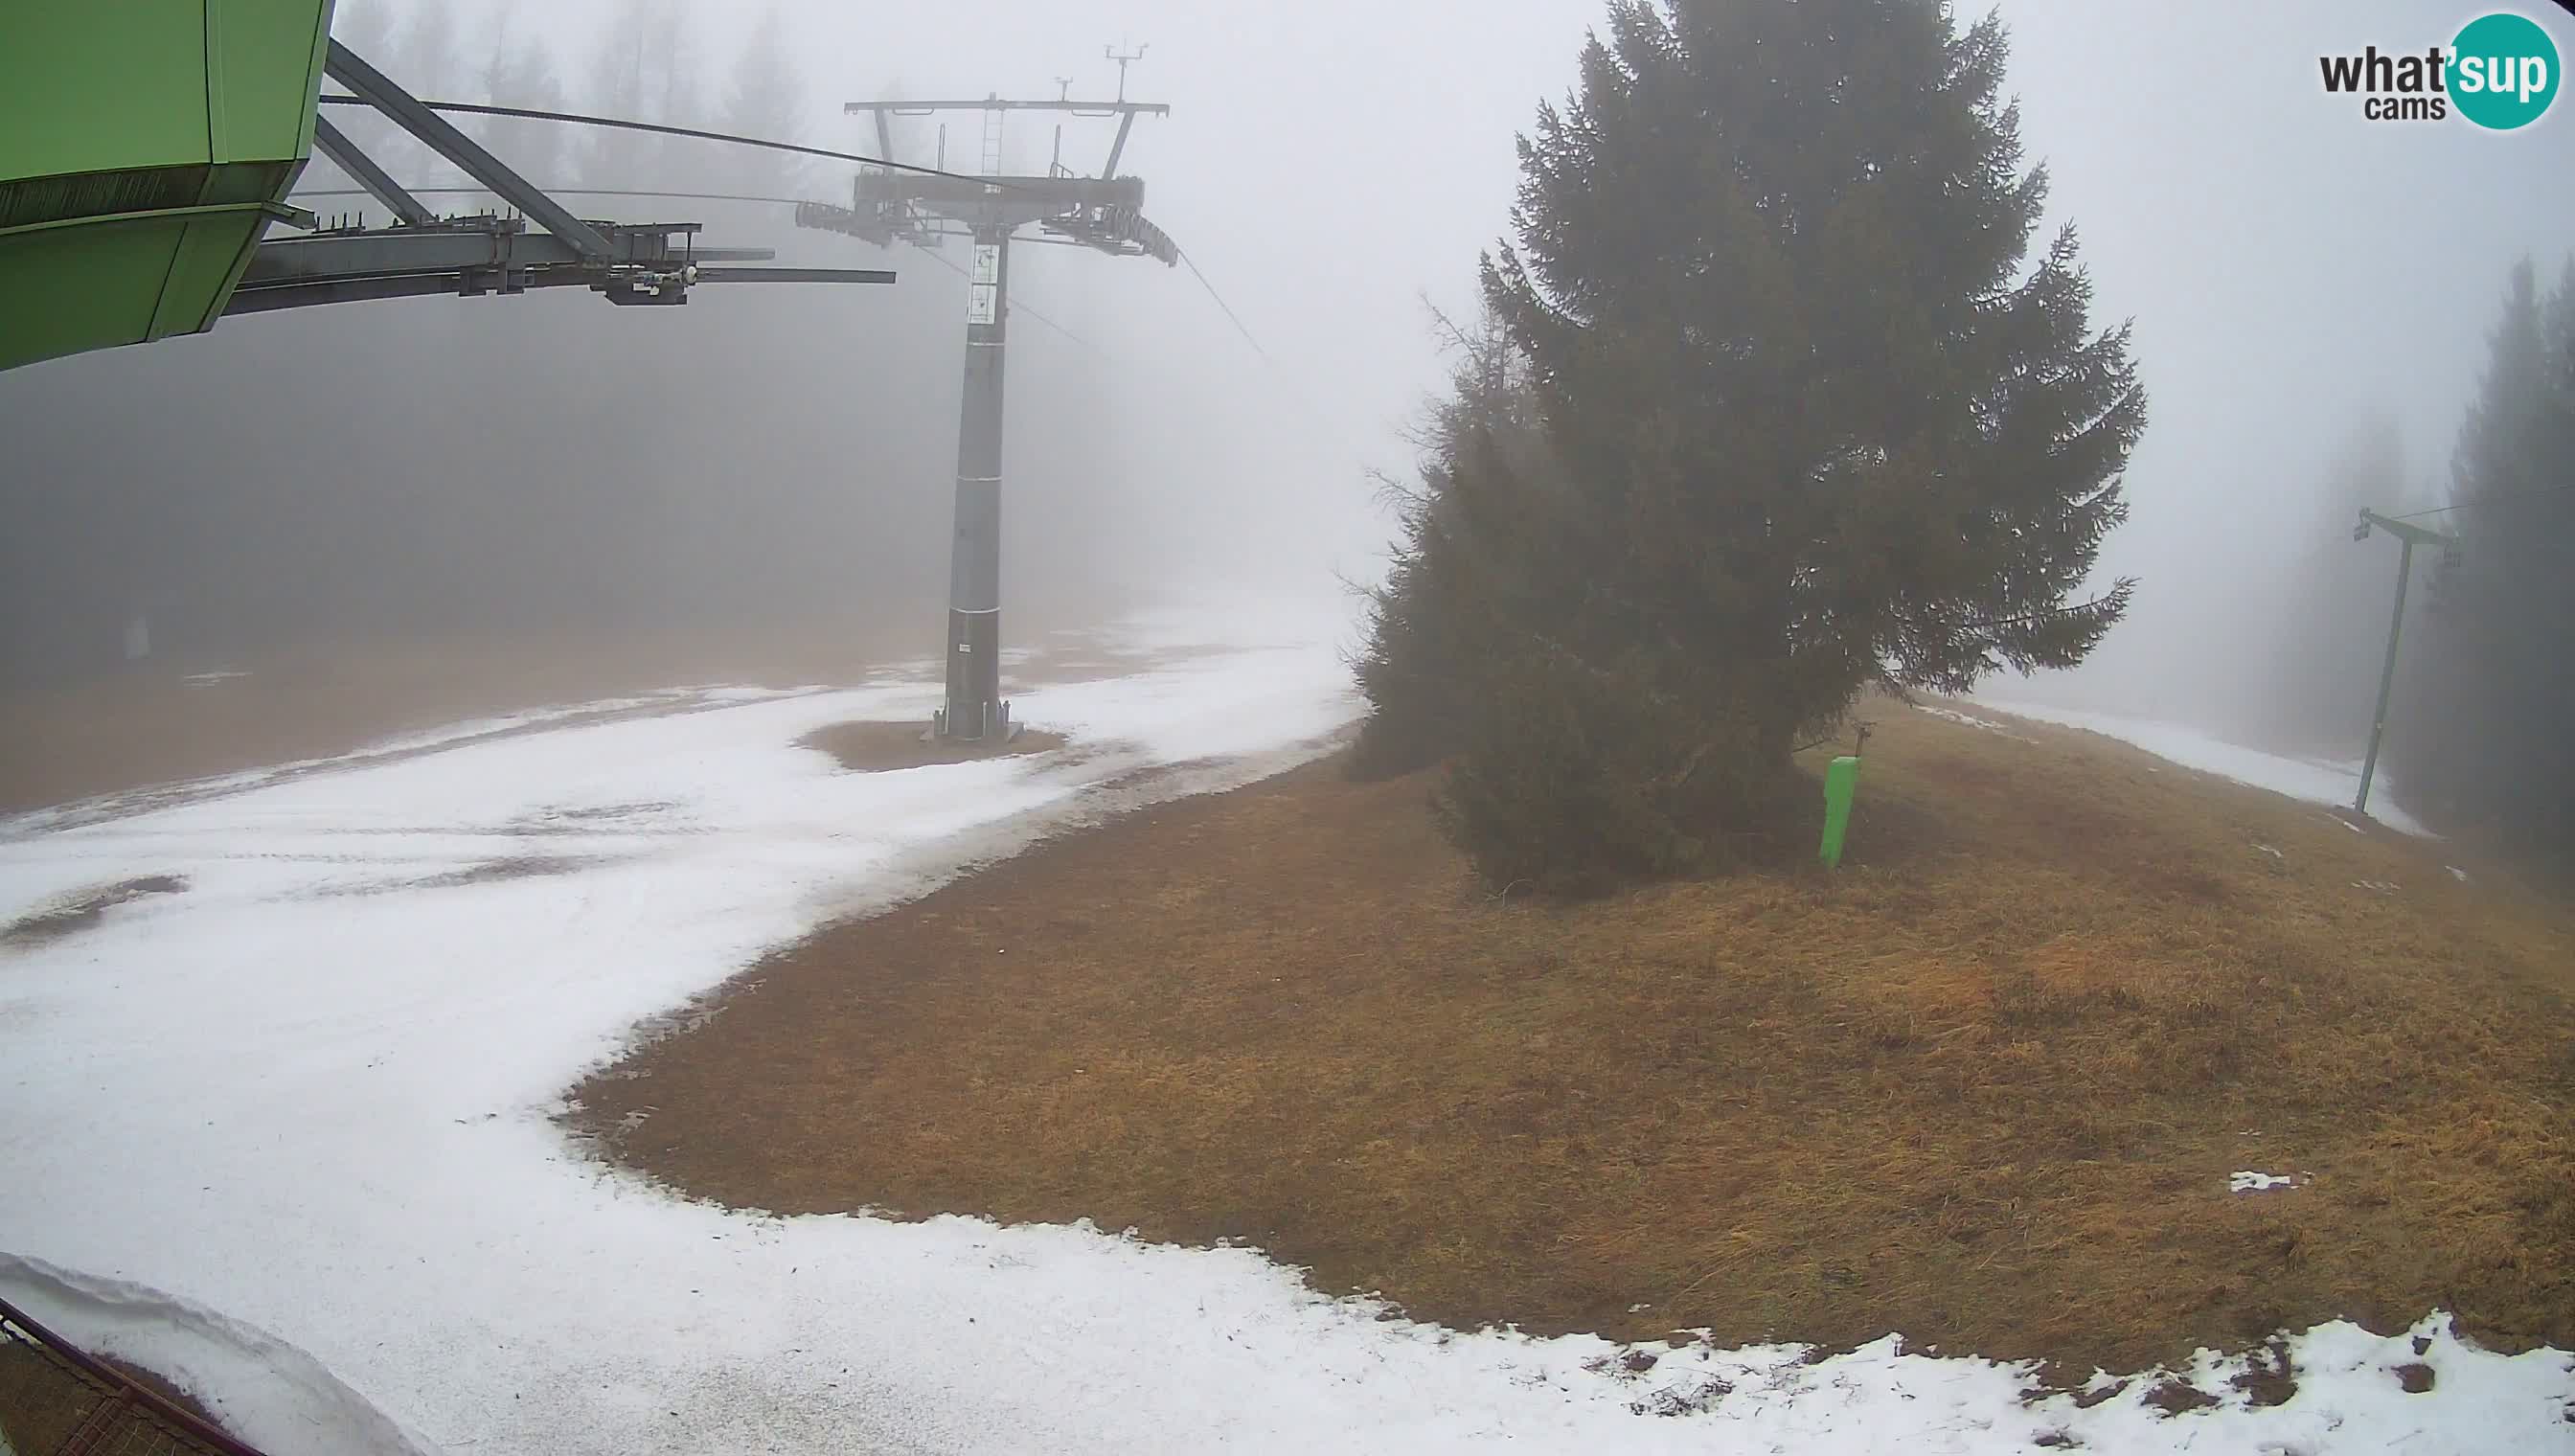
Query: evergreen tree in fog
(520, 71)
(2316, 687)
(764, 98)
(1822, 426)
(2488, 739)
(1463, 544)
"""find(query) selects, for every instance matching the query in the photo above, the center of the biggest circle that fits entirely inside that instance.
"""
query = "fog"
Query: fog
(781, 457)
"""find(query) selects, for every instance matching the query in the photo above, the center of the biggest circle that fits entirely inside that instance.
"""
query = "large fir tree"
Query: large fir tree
(1816, 420)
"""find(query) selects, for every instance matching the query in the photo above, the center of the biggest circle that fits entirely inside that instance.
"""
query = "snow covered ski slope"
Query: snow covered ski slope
(291, 1109)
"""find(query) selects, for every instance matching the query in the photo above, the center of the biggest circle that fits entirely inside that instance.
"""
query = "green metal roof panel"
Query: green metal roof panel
(144, 147)
(267, 70)
(101, 88)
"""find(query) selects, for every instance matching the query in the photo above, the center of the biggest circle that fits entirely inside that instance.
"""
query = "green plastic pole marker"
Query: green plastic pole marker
(1842, 780)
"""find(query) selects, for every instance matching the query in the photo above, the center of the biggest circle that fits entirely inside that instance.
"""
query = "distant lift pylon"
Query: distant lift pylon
(2412, 536)
(1105, 212)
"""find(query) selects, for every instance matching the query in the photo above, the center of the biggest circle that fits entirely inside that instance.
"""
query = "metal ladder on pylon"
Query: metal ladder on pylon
(993, 142)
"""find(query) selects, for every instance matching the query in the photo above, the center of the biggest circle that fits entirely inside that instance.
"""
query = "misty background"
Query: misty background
(2312, 295)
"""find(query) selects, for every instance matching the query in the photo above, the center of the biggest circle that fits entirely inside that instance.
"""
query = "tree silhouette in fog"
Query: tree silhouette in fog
(2487, 737)
(1814, 420)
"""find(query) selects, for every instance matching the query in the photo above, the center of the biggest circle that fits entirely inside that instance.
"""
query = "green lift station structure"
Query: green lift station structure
(148, 149)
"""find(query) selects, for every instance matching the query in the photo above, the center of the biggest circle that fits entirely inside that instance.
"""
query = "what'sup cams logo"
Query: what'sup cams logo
(2500, 72)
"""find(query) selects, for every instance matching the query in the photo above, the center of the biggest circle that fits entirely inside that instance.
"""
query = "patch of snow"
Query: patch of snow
(2375, 886)
(2263, 1183)
(330, 1116)
(2267, 849)
(209, 680)
(2456, 874)
(2336, 782)
(2350, 1399)
(1973, 722)
(260, 1389)
(478, 728)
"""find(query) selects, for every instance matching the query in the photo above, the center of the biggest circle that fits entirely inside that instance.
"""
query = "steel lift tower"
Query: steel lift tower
(1105, 212)
(2411, 535)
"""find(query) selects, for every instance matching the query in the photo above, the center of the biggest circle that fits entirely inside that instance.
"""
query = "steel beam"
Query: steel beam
(1079, 107)
(1117, 148)
(362, 170)
(346, 67)
(1029, 197)
(795, 275)
(381, 254)
(310, 293)
(303, 292)
(2412, 536)
(2386, 675)
(2402, 530)
(470, 243)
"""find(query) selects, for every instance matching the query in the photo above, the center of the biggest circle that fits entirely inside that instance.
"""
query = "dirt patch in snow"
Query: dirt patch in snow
(2268, 1377)
(85, 910)
(493, 872)
(2173, 1397)
(877, 748)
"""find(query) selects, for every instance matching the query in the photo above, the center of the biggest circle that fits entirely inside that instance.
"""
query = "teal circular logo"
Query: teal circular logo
(2503, 71)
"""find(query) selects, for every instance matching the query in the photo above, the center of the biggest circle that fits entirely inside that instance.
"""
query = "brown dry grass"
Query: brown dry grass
(44, 1399)
(41, 1401)
(1984, 1087)
(874, 747)
(148, 726)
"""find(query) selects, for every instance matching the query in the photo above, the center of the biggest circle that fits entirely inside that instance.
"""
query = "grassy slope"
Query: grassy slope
(44, 1399)
(147, 726)
(1984, 1086)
